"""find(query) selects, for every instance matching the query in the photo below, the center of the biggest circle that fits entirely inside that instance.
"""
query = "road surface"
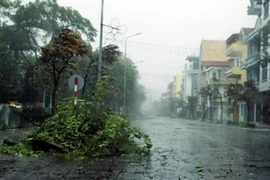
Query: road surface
(182, 150)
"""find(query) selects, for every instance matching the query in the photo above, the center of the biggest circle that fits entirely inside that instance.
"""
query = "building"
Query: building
(237, 51)
(212, 82)
(213, 50)
(177, 85)
(191, 75)
(215, 84)
(257, 62)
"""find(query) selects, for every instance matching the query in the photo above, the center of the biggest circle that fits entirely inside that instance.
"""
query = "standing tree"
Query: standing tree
(88, 67)
(206, 92)
(192, 106)
(59, 55)
(249, 96)
(216, 90)
(234, 93)
(246, 93)
(25, 27)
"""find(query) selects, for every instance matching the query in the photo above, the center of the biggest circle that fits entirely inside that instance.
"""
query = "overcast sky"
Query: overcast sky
(171, 30)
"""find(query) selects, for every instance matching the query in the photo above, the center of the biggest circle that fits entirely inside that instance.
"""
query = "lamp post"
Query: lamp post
(125, 73)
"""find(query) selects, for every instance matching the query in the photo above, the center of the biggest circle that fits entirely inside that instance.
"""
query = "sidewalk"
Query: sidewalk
(262, 126)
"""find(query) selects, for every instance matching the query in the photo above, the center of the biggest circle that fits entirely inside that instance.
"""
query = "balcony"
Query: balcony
(193, 71)
(255, 8)
(222, 81)
(234, 72)
(236, 49)
(266, 9)
(252, 60)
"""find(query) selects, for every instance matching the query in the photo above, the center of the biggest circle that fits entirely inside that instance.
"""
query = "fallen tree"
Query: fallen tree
(88, 129)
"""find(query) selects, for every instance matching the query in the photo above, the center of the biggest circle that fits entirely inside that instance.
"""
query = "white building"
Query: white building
(215, 83)
(191, 74)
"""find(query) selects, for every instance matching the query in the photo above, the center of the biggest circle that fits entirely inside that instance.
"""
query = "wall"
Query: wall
(213, 50)
(177, 83)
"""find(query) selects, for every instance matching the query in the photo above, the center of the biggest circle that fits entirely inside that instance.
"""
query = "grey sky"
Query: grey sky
(171, 30)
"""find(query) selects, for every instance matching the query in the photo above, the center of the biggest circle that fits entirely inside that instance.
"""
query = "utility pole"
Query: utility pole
(100, 41)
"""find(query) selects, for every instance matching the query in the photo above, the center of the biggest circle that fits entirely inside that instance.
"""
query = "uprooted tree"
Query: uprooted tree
(84, 130)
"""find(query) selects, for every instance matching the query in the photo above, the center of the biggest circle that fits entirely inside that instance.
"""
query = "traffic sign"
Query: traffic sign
(71, 81)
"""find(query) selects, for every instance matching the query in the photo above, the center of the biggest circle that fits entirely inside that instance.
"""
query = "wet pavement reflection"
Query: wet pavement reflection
(182, 149)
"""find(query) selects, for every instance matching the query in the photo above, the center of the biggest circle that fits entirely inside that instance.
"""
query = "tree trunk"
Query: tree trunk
(249, 108)
(84, 86)
(54, 96)
(221, 108)
(234, 106)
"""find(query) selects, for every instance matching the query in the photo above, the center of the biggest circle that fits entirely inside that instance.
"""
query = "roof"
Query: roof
(246, 30)
(232, 38)
(213, 50)
(215, 64)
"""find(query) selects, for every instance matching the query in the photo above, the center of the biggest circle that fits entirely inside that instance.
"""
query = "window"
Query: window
(264, 73)
(196, 65)
(249, 74)
(214, 76)
(266, 8)
(238, 63)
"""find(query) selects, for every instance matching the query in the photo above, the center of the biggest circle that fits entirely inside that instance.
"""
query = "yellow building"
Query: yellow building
(177, 84)
(212, 54)
(213, 50)
(237, 51)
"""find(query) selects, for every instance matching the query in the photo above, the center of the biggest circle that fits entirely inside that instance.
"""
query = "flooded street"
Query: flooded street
(182, 149)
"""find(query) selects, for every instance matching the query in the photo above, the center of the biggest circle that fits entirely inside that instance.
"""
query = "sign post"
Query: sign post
(75, 90)
(76, 82)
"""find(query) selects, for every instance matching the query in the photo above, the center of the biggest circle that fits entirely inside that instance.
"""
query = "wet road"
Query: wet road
(185, 149)
(182, 149)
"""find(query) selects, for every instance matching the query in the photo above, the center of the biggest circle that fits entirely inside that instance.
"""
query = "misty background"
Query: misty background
(171, 30)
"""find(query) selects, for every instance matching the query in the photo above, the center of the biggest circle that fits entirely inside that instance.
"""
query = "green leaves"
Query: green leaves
(20, 150)
(89, 129)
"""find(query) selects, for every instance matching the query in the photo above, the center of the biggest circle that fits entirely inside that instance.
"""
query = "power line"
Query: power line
(173, 67)
(176, 50)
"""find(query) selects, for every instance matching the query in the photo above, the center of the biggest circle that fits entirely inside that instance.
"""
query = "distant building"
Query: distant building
(213, 50)
(177, 85)
(191, 77)
(214, 63)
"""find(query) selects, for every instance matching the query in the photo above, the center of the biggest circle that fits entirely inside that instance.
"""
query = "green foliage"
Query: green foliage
(57, 58)
(135, 93)
(88, 129)
(247, 93)
(234, 91)
(24, 25)
(229, 107)
(21, 150)
(247, 124)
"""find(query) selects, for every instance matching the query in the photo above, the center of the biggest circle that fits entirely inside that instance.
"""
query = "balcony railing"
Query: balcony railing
(251, 60)
(255, 7)
(266, 9)
(193, 71)
(222, 81)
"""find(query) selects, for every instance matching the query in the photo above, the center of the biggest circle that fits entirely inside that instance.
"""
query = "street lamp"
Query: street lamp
(125, 73)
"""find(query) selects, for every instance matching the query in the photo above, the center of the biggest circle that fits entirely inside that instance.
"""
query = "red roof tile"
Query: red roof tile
(246, 30)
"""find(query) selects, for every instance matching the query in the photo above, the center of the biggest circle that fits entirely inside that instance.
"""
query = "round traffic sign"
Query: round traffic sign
(71, 81)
